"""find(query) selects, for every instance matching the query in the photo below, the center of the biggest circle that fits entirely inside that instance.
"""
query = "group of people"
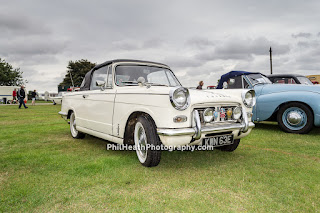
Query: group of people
(20, 95)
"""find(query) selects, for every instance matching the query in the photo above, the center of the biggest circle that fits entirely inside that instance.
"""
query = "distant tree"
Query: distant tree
(8, 75)
(78, 70)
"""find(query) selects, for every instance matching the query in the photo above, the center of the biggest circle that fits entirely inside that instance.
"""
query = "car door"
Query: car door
(98, 102)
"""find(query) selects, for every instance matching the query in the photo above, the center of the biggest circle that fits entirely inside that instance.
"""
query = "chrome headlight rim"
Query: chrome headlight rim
(204, 112)
(174, 103)
(238, 116)
(253, 95)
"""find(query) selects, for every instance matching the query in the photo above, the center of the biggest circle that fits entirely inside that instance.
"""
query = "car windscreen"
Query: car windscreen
(258, 79)
(304, 80)
(128, 75)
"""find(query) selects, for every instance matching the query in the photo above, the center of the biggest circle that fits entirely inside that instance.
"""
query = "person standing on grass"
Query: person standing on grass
(21, 96)
(200, 85)
(14, 95)
(33, 95)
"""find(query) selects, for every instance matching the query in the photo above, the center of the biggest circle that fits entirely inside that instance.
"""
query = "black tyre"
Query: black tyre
(146, 140)
(295, 118)
(74, 132)
(231, 147)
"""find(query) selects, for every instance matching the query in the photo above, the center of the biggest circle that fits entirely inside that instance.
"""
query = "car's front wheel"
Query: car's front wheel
(73, 127)
(231, 147)
(146, 142)
(295, 118)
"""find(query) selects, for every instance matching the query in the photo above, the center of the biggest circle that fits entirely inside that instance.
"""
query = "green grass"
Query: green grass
(43, 169)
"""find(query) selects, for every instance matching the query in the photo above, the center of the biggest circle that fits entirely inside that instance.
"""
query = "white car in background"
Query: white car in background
(142, 103)
(58, 98)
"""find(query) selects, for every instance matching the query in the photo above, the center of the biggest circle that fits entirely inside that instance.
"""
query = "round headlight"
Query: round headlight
(179, 98)
(208, 115)
(248, 98)
(237, 113)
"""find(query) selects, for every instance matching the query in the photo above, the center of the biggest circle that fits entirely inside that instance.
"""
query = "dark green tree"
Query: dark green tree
(78, 70)
(8, 75)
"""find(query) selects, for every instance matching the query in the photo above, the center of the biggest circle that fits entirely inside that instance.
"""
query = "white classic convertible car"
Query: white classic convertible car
(142, 103)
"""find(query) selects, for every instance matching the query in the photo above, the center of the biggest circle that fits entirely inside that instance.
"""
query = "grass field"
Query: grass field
(43, 169)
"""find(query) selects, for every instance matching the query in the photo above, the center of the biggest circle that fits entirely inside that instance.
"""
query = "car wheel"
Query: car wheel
(231, 147)
(295, 118)
(74, 132)
(146, 140)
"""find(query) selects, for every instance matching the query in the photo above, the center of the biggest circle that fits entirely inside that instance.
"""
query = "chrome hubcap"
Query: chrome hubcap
(140, 140)
(294, 118)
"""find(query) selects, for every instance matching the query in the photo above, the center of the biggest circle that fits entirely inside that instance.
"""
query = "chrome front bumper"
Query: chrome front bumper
(196, 131)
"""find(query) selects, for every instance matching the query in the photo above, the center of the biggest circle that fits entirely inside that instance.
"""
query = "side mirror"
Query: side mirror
(101, 84)
(141, 81)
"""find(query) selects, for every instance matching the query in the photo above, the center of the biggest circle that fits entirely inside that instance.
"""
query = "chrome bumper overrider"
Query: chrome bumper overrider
(63, 113)
(198, 130)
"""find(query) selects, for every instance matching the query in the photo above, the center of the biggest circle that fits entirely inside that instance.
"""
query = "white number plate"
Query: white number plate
(219, 140)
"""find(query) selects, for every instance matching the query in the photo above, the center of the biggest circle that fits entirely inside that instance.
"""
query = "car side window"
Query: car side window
(235, 83)
(284, 81)
(291, 81)
(100, 74)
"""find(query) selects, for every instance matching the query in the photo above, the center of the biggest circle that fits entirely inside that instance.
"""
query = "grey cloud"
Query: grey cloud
(153, 43)
(131, 45)
(258, 46)
(126, 45)
(21, 25)
(309, 44)
(242, 49)
(182, 62)
(196, 39)
(214, 55)
(32, 46)
(199, 42)
(301, 35)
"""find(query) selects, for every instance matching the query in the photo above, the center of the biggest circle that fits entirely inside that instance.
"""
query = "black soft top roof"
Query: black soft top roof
(88, 76)
(125, 60)
(284, 75)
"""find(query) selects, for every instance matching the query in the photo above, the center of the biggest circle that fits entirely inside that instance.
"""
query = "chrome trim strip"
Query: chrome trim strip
(205, 129)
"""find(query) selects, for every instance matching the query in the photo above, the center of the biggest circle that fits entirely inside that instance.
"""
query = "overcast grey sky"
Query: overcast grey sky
(199, 40)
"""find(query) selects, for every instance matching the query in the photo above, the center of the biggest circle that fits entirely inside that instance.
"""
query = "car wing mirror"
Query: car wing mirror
(141, 81)
(101, 84)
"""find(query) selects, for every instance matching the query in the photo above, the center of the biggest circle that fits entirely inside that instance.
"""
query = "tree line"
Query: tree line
(76, 70)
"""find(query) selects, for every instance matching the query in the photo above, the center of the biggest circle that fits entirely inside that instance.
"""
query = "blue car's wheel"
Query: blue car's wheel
(295, 118)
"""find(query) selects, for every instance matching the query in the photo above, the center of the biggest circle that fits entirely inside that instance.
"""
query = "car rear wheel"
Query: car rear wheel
(146, 141)
(231, 147)
(73, 128)
(295, 118)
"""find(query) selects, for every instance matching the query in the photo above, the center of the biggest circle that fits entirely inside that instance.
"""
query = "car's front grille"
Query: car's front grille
(221, 114)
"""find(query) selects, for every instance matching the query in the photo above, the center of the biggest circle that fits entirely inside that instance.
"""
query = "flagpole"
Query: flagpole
(270, 60)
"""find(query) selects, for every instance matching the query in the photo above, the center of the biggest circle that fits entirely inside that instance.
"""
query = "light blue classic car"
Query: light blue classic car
(296, 108)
